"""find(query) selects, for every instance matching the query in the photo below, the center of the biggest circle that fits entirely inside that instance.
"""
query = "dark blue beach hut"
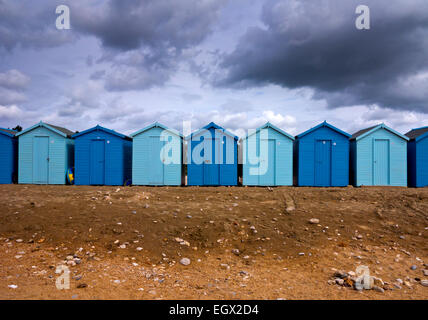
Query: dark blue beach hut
(417, 157)
(8, 156)
(102, 157)
(212, 157)
(322, 157)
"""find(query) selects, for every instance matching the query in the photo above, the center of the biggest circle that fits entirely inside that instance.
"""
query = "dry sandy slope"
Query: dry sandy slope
(56, 221)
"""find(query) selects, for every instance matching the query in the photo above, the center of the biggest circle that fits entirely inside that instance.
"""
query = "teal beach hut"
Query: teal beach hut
(45, 153)
(379, 157)
(157, 156)
(267, 157)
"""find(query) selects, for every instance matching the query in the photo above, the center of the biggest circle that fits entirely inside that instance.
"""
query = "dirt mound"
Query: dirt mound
(242, 242)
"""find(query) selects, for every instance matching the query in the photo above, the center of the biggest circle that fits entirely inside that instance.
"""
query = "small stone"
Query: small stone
(185, 261)
(399, 281)
(82, 285)
(413, 267)
(425, 272)
(424, 283)
(19, 240)
(359, 236)
(13, 286)
(339, 281)
(225, 266)
(314, 221)
(378, 289)
(235, 252)
(378, 282)
(139, 249)
(116, 281)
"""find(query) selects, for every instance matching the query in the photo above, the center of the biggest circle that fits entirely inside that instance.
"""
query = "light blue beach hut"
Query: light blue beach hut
(45, 153)
(267, 157)
(157, 156)
(379, 157)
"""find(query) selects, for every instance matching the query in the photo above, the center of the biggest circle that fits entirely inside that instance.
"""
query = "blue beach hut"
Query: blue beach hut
(417, 157)
(267, 157)
(157, 156)
(322, 155)
(45, 152)
(212, 157)
(379, 157)
(102, 157)
(8, 156)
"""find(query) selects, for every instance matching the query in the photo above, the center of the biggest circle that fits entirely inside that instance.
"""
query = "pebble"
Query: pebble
(424, 283)
(116, 281)
(378, 289)
(13, 286)
(82, 285)
(235, 252)
(413, 267)
(225, 266)
(314, 221)
(185, 261)
(19, 240)
(425, 272)
(139, 249)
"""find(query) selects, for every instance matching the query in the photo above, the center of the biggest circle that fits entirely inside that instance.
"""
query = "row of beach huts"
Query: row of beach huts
(323, 156)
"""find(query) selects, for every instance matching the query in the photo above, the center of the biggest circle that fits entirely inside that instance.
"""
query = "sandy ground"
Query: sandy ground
(129, 241)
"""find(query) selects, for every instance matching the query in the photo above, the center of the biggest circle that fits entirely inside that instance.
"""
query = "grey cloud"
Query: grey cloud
(189, 97)
(315, 44)
(28, 24)
(129, 24)
(144, 40)
(12, 85)
(9, 97)
(13, 79)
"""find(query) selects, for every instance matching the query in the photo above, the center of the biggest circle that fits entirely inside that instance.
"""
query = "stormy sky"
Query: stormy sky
(125, 64)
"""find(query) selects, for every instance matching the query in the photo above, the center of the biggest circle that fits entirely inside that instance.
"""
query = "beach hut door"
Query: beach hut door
(97, 162)
(323, 163)
(381, 162)
(40, 160)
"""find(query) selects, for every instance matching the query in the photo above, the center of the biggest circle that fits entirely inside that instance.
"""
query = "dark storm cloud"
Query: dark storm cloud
(144, 40)
(315, 44)
(129, 24)
(30, 24)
